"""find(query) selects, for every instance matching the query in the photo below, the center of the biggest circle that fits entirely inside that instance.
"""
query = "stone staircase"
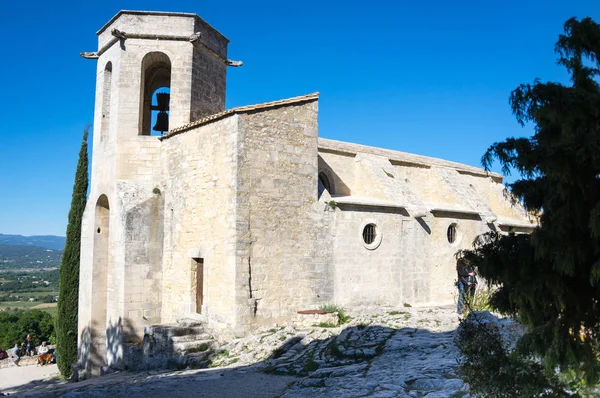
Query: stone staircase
(177, 345)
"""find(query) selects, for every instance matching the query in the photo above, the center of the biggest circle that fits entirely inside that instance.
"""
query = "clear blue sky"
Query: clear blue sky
(427, 77)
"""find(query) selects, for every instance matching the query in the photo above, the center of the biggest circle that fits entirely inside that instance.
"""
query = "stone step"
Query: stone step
(173, 330)
(190, 345)
(190, 337)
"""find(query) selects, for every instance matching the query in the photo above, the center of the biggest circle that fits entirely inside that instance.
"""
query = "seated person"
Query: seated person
(15, 354)
(43, 349)
(22, 351)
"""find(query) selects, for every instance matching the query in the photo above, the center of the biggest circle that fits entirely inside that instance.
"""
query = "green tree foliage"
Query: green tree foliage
(16, 324)
(66, 325)
(492, 371)
(551, 278)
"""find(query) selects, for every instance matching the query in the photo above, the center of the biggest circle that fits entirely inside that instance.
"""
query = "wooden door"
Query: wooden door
(199, 284)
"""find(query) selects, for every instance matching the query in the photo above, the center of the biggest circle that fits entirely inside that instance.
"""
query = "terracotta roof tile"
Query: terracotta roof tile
(241, 109)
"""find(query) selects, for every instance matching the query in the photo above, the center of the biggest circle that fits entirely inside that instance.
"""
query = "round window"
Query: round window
(371, 234)
(451, 233)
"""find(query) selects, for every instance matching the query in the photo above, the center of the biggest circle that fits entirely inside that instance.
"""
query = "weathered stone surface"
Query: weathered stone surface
(224, 221)
(416, 357)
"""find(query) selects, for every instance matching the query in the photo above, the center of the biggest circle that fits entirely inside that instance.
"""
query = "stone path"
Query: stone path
(12, 376)
(402, 352)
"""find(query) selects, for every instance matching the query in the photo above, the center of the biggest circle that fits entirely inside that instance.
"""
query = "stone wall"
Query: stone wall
(200, 218)
(121, 292)
(281, 265)
(413, 205)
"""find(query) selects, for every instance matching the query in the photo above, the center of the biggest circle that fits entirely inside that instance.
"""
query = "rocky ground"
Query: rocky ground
(402, 352)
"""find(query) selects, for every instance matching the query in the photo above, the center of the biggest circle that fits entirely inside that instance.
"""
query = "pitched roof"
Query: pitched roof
(397, 156)
(242, 109)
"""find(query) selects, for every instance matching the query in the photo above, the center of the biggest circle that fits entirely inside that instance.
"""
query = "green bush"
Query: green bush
(480, 301)
(16, 324)
(336, 308)
(492, 371)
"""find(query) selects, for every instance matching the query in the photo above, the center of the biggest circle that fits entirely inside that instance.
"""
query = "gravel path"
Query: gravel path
(222, 383)
(19, 375)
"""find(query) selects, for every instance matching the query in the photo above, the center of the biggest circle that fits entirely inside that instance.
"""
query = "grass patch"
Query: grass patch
(326, 325)
(361, 326)
(212, 362)
(398, 312)
(310, 365)
(201, 348)
(336, 308)
(407, 305)
(277, 352)
(334, 350)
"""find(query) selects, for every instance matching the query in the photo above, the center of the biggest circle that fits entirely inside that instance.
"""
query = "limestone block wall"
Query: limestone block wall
(281, 265)
(366, 276)
(415, 262)
(143, 219)
(208, 82)
(147, 22)
(441, 254)
(199, 184)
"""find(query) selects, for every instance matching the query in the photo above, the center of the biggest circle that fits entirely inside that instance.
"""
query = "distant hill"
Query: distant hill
(19, 257)
(47, 241)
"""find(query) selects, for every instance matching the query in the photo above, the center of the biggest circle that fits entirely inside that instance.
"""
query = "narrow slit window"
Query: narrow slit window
(451, 233)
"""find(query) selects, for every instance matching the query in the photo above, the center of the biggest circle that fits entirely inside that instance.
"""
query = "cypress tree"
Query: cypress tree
(551, 278)
(68, 300)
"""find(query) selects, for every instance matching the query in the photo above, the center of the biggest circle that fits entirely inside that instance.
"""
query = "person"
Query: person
(15, 354)
(467, 283)
(43, 349)
(28, 345)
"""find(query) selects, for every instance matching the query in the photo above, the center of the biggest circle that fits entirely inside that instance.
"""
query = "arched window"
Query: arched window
(104, 126)
(324, 184)
(155, 92)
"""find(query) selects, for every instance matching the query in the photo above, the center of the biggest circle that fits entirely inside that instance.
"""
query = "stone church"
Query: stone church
(241, 217)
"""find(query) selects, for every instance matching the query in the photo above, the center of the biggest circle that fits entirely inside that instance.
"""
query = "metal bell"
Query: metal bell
(162, 119)
(162, 122)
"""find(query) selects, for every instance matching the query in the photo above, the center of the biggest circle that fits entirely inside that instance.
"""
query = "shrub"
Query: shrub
(492, 371)
(16, 324)
(480, 301)
(336, 308)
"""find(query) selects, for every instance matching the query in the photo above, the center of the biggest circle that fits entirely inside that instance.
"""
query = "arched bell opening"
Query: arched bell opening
(155, 92)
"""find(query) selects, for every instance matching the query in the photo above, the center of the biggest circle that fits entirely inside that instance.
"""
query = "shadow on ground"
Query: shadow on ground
(360, 360)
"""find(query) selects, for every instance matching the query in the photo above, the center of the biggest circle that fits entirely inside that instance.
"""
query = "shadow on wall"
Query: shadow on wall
(118, 336)
(89, 356)
(338, 187)
(96, 354)
(423, 360)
